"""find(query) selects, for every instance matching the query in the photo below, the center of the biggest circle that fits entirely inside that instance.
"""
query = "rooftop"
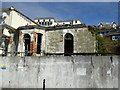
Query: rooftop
(53, 27)
(12, 8)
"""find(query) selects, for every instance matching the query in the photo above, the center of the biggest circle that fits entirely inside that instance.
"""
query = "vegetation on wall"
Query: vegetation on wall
(104, 43)
(101, 45)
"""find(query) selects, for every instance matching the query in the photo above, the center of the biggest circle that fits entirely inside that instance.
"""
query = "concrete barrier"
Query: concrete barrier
(59, 72)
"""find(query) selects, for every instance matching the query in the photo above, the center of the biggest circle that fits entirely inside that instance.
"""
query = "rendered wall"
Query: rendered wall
(60, 72)
(20, 19)
(13, 17)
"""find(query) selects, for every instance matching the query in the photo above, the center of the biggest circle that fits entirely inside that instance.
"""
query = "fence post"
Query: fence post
(43, 84)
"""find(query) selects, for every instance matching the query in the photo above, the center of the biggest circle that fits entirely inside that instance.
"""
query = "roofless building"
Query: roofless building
(23, 36)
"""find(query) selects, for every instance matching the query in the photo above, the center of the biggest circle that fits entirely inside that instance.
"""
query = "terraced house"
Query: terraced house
(23, 36)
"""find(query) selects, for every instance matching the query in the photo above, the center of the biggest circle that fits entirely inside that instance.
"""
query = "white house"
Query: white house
(48, 22)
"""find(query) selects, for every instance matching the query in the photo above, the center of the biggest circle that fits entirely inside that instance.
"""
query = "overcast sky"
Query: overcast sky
(90, 13)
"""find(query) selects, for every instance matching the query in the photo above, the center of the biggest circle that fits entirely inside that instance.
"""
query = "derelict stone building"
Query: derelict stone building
(32, 39)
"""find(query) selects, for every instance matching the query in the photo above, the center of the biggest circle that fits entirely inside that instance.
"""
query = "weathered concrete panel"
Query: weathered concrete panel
(59, 72)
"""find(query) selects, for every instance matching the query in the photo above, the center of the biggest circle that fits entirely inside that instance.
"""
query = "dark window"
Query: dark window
(39, 40)
(76, 21)
(50, 23)
(44, 20)
(68, 44)
(42, 23)
(27, 44)
(6, 42)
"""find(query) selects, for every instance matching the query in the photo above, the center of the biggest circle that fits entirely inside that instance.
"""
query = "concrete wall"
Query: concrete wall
(60, 72)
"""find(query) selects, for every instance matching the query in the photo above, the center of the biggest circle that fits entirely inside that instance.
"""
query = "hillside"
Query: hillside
(105, 44)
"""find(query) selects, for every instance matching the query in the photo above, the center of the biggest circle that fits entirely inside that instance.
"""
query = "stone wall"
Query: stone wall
(83, 41)
(60, 72)
(53, 41)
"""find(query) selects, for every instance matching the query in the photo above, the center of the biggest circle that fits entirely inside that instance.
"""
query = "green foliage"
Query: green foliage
(93, 30)
(100, 41)
(100, 45)
(118, 47)
(103, 28)
(118, 42)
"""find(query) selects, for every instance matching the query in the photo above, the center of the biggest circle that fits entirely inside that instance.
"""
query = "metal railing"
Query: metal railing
(97, 54)
(48, 54)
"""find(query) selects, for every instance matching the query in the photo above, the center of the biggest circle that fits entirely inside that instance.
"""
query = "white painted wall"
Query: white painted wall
(54, 23)
(0, 51)
(16, 19)
(78, 22)
(19, 20)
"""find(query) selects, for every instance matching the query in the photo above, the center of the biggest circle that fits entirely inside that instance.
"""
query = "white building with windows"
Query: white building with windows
(107, 25)
(48, 22)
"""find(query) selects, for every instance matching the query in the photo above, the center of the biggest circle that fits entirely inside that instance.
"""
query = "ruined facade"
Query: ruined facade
(31, 39)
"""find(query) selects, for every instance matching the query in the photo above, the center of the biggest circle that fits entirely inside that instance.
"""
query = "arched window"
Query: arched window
(39, 41)
(27, 44)
(68, 44)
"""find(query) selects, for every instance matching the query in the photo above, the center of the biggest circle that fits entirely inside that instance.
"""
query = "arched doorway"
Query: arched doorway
(68, 44)
(27, 44)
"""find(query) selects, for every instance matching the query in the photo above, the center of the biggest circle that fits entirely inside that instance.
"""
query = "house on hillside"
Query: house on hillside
(107, 25)
(48, 22)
